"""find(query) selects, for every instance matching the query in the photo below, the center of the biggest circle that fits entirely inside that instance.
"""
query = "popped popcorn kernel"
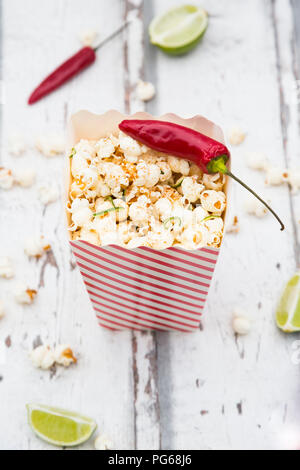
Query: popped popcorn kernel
(257, 161)
(6, 178)
(241, 323)
(234, 226)
(236, 136)
(145, 91)
(35, 247)
(23, 294)
(64, 355)
(6, 267)
(51, 145)
(213, 201)
(25, 177)
(88, 37)
(254, 207)
(48, 194)
(276, 176)
(42, 357)
(16, 144)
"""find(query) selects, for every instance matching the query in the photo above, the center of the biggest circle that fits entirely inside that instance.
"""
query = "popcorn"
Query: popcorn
(236, 136)
(130, 147)
(6, 267)
(16, 144)
(254, 207)
(241, 323)
(215, 181)
(23, 294)
(191, 189)
(2, 310)
(36, 246)
(105, 148)
(179, 165)
(63, 355)
(213, 201)
(257, 161)
(87, 37)
(294, 180)
(42, 357)
(50, 146)
(163, 208)
(25, 177)
(48, 194)
(102, 443)
(6, 178)
(234, 226)
(132, 190)
(145, 91)
(276, 176)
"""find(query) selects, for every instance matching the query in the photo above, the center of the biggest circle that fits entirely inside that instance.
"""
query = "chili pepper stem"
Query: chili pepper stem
(257, 196)
(218, 165)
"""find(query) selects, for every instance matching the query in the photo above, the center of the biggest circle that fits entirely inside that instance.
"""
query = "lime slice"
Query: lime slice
(59, 427)
(288, 310)
(179, 29)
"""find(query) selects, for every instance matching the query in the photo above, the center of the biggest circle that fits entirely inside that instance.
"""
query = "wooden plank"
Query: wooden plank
(146, 399)
(37, 36)
(217, 391)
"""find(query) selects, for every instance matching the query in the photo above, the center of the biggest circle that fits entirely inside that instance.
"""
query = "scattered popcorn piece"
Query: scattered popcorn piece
(257, 161)
(236, 136)
(36, 246)
(6, 268)
(23, 294)
(294, 180)
(6, 178)
(276, 176)
(145, 91)
(2, 311)
(215, 181)
(87, 37)
(48, 194)
(25, 177)
(234, 226)
(191, 189)
(254, 207)
(51, 145)
(179, 165)
(64, 356)
(42, 357)
(241, 323)
(102, 443)
(16, 144)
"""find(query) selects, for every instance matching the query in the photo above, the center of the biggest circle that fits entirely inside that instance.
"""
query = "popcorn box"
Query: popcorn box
(142, 288)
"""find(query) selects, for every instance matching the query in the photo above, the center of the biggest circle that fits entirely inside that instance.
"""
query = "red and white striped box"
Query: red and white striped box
(143, 288)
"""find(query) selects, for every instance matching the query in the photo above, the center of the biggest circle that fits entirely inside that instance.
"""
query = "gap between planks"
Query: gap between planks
(147, 431)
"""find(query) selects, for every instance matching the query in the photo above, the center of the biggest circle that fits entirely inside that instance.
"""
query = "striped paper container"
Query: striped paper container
(142, 288)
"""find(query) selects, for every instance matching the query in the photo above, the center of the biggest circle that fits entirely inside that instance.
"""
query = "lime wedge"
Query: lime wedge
(288, 310)
(179, 29)
(59, 427)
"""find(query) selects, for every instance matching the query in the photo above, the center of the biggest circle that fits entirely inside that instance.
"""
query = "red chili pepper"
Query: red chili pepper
(71, 67)
(211, 156)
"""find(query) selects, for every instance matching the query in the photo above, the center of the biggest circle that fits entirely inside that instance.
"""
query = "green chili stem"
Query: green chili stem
(218, 165)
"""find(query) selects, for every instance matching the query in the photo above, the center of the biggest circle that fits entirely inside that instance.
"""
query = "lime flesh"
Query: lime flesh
(288, 310)
(60, 427)
(179, 30)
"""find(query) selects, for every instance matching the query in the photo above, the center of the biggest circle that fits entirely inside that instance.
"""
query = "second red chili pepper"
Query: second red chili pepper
(170, 138)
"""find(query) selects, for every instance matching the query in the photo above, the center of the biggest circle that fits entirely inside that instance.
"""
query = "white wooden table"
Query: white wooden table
(207, 390)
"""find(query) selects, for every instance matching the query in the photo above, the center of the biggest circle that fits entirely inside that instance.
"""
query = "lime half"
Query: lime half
(288, 310)
(179, 29)
(59, 427)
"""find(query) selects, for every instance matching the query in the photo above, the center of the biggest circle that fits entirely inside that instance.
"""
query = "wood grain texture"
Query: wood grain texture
(207, 390)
